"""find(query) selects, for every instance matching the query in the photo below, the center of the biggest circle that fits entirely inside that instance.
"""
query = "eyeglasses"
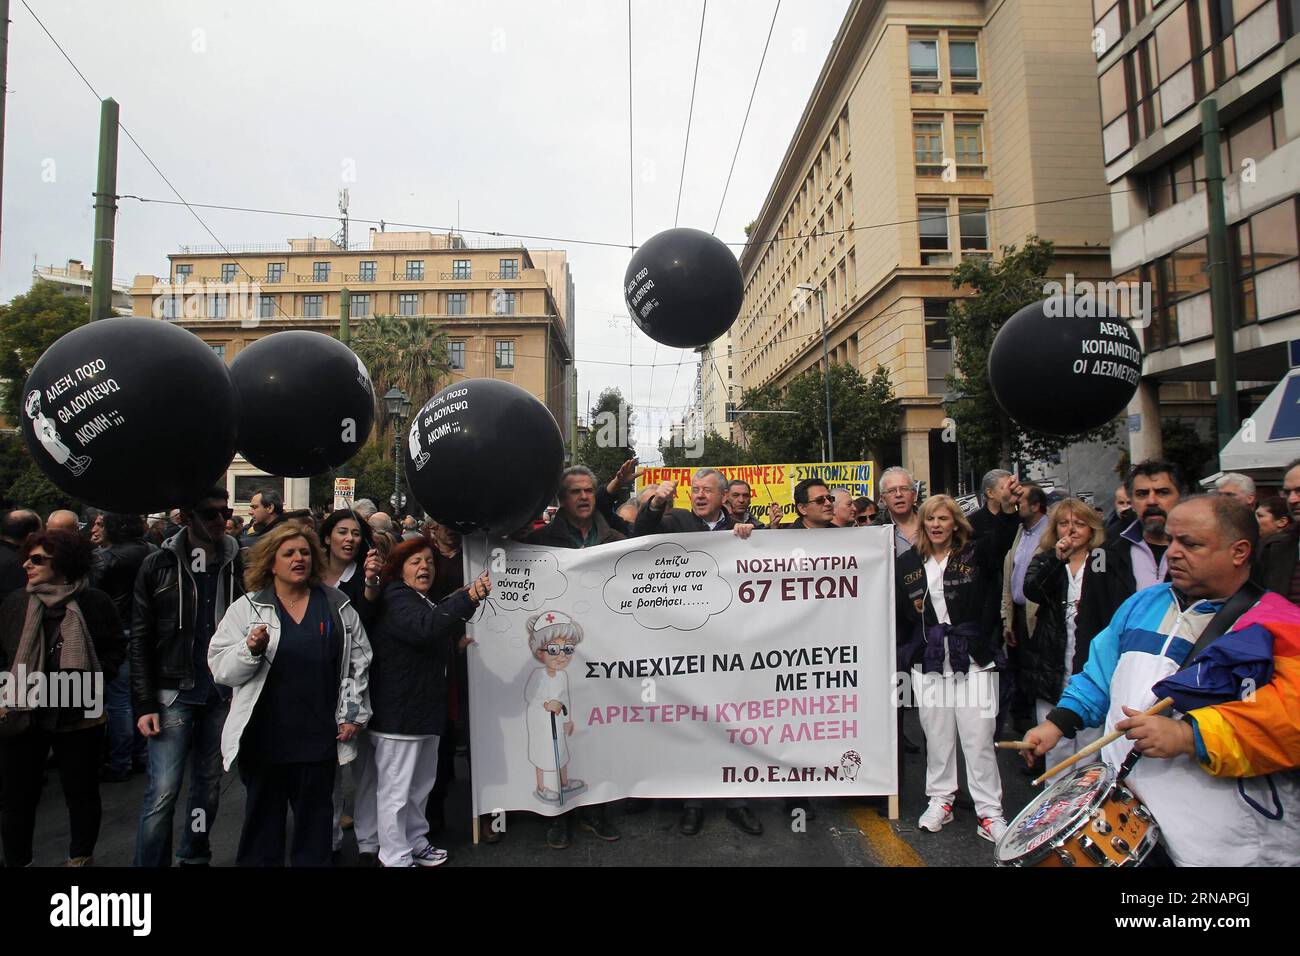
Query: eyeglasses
(209, 514)
(555, 650)
(822, 500)
(865, 519)
(38, 559)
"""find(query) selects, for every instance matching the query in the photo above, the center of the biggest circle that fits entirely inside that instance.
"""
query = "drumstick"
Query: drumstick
(1096, 745)
(1013, 745)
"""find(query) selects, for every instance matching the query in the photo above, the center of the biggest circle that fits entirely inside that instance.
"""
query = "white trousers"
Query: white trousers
(1067, 748)
(405, 772)
(365, 823)
(960, 707)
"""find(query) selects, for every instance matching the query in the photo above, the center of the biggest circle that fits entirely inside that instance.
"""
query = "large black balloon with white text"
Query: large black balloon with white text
(306, 403)
(130, 415)
(484, 455)
(683, 288)
(1060, 368)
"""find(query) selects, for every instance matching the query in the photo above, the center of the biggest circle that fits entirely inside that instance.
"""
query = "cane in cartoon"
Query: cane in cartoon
(48, 436)
(553, 637)
(418, 453)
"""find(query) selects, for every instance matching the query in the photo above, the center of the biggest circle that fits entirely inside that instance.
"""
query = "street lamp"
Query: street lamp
(398, 405)
(826, 360)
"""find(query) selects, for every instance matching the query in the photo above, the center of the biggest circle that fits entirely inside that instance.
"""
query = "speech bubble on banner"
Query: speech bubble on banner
(529, 579)
(667, 586)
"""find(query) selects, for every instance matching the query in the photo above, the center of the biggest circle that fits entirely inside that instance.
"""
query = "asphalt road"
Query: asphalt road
(843, 831)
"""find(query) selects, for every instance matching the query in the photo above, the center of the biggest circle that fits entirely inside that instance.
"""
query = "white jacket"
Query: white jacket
(234, 666)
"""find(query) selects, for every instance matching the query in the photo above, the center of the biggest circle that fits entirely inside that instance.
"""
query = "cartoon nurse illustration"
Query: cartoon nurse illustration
(48, 436)
(553, 638)
(418, 454)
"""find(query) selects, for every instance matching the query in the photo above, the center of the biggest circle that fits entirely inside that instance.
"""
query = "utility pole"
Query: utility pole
(4, 86)
(345, 317)
(101, 281)
(1225, 374)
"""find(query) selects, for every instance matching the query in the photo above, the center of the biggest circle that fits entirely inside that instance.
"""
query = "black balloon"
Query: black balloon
(484, 455)
(1058, 368)
(306, 403)
(130, 415)
(683, 288)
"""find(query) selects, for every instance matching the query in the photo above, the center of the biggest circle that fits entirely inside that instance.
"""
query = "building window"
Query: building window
(938, 346)
(460, 269)
(456, 355)
(183, 272)
(933, 229)
(408, 303)
(1115, 134)
(359, 306)
(923, 64)
(505, 353)
(974, 221)
(503, 303)
(220, 351)
(168, 305)
(1269, 238)
(275, 272)
(1251, 137)
(509, 268)
(415, 269)
(927, 136)
(216, 306)
(265, 307)
(320, 272)
(228, 271)
(456, 302)
(368, 271)
(311, 305)
(963, 66)
(968, 135)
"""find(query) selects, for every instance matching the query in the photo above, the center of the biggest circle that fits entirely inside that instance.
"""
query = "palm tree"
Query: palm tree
(406, 351)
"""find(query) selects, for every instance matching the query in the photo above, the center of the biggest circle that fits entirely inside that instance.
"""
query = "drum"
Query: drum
(1084, 819)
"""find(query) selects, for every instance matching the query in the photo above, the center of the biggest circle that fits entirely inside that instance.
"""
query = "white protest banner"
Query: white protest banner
(683, 665)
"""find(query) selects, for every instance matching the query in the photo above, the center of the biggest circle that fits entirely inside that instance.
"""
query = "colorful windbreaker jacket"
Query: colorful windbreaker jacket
(1237, 803)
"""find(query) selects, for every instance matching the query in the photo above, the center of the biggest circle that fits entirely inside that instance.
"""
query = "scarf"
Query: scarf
(78, 653)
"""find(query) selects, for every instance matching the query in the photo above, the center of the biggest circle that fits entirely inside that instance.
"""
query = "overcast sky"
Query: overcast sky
(516, 110)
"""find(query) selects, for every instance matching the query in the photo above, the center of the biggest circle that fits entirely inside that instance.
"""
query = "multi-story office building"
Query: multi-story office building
(75, 279)
(1156, 61)
(935, 132)
(717, 392)
(507, 311)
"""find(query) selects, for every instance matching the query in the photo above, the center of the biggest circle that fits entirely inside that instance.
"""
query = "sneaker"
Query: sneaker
(992, 828)
(598, 823)
(560, 833)
(429, 856)
(935, 816)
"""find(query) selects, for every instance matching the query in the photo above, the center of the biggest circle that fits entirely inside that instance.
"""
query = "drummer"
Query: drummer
(1215, 779)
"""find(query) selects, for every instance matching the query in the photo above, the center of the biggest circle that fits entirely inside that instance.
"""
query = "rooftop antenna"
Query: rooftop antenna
(343, 212)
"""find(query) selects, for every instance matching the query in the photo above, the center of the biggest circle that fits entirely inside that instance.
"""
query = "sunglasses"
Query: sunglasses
(822, 500)
(555, 650)
(210, 514)
(865, 519)
(38, 560)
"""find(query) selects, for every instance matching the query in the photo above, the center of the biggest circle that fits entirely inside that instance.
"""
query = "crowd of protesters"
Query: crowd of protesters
(300, 643)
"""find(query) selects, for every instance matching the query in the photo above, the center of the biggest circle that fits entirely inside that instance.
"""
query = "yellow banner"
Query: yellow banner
(771, 482)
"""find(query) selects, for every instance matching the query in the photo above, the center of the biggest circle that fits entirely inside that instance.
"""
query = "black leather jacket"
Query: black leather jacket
(162, 626)
(114, 572)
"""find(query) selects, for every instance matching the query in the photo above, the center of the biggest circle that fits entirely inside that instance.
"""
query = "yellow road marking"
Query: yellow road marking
(881, 841)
